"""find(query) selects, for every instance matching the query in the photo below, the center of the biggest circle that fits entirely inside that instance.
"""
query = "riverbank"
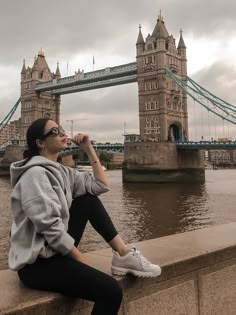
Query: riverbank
(195, 267)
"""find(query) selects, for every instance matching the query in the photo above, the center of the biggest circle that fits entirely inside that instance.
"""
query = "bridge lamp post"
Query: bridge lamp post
(72, 125)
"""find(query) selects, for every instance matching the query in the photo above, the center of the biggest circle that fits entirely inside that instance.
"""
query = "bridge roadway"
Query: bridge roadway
(111, 76)
(112, 147)
(188, 145)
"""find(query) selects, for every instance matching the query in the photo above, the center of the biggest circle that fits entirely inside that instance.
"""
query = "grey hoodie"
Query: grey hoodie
(42, 195)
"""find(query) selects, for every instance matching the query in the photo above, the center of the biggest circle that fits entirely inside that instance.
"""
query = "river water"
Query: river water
(145, 211)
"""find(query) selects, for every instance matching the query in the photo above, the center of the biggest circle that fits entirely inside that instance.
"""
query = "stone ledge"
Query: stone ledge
(179, 256)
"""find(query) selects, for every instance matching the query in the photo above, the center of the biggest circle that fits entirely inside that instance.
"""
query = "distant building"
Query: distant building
(117, 158)
(10, 132)
(222, 156)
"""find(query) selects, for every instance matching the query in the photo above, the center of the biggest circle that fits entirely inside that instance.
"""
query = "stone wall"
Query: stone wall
(150, 155)
(198, 278)
(191, 159)
(12, 154)
(161, 162)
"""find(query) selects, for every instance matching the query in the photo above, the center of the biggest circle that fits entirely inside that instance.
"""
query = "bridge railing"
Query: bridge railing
(207, 145)
(129, 68)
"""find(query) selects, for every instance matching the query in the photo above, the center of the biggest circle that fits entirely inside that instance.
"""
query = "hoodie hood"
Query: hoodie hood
(19, 167)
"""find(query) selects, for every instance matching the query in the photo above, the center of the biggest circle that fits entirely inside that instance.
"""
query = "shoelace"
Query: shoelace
(138, 254)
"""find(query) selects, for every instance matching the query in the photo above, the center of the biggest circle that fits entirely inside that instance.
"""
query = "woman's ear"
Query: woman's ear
(40, 144)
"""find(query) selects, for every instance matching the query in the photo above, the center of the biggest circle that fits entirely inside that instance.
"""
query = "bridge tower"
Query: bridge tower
(162, 104)
(153, 155)
(36, 105)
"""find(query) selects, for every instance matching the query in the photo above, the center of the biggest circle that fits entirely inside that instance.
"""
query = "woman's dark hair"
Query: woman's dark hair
(34, 132)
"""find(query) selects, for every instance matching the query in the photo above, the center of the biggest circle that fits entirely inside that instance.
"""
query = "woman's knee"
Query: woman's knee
(114, 291)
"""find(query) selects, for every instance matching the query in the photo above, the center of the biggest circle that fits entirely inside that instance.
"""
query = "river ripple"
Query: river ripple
(145, 211)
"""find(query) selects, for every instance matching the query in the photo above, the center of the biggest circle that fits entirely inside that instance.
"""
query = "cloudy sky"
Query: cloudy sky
(74, 31)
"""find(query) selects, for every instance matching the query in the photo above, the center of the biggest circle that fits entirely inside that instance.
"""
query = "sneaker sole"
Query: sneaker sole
(122, 272)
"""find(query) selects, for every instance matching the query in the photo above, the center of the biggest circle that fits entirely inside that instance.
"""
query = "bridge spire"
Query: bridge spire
(160, 17)
(160, 30)
(41, 53)
(23, 70)
(181, 40)
(58, 73)
(140, 40)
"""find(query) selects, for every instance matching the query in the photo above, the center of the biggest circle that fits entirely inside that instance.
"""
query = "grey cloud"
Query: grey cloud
(114, 99)
(219, 79)
(107, 28)
(66, 28)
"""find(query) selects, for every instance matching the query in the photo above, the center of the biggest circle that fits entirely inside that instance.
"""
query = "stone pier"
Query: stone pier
(15, 153)
(161, 162)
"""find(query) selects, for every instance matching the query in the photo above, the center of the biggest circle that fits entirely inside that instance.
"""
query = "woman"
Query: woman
(51, 205)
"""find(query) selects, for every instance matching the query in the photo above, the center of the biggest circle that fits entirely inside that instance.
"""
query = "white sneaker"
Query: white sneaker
(133, 263)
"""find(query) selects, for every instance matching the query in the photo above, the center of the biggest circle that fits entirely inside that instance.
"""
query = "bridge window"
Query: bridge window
(150, 85)
(152, 125)
(27, 119)
(27, 85)
(151, 105)
(27, 105)
(147, 105)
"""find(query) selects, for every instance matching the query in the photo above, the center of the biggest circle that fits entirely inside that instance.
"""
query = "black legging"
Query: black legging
(73, 278)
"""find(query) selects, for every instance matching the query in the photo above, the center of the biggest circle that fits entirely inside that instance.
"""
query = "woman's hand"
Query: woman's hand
(83, 141)
(85, 144)
(76, 255)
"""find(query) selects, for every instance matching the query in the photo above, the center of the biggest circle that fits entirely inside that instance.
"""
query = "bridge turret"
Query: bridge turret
(40, 69)
(160, 30)
(57, 73)
(181, 45)
(140, 42)
(182, 52)
(161, 34)
(140, 46)
(23, 70)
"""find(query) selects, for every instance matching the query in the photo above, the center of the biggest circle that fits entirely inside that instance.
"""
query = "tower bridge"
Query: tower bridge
(81, 81)
(162, 151)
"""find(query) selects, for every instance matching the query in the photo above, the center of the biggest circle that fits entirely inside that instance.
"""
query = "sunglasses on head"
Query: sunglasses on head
(55, 131)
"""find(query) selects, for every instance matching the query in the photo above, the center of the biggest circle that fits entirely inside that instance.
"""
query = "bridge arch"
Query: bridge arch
(174, 131)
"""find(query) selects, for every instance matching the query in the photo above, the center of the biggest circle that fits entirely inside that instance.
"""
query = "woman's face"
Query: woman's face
(54, 142)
